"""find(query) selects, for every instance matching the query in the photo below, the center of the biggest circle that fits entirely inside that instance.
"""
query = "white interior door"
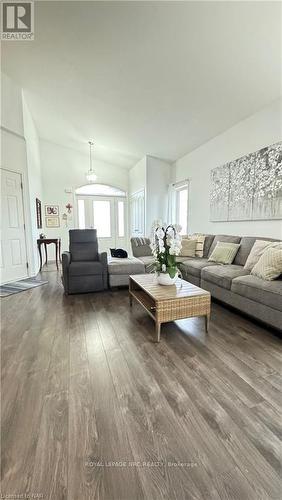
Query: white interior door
(13, 261)
(108, 216)
(137, 213)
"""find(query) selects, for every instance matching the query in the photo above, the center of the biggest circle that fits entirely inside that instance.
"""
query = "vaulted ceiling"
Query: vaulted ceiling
(156, 78)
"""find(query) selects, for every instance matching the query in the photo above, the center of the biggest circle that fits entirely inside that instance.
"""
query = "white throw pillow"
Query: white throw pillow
(188, 248)
(200, 239)
(259, 247)
(269, 266)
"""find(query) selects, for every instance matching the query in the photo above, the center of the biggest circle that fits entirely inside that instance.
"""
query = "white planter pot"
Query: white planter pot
(165, 279)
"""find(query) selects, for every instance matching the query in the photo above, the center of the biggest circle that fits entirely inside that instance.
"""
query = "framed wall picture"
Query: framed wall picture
(51, 210)
(52, 221)
(38, 214)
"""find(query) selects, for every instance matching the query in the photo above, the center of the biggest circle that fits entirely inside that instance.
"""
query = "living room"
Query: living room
(141, 239)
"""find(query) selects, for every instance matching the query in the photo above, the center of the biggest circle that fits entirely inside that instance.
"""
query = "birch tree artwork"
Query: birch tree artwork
(220, 193)
(249, 188)
(267, 200)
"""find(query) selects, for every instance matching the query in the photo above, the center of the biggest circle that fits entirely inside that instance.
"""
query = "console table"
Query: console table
(48, 241)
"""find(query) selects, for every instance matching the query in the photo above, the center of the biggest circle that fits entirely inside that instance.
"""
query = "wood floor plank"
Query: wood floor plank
(112, 445)
(20, 422)
(270, 416)
(49, 476)
(83, 481)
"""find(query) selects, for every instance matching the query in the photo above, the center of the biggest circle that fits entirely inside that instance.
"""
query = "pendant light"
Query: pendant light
(90, 175)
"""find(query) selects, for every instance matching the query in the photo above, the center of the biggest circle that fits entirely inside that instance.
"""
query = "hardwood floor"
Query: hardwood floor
(93, 409)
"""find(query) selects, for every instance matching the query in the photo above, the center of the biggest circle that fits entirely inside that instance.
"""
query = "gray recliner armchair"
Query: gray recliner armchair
(84, 269)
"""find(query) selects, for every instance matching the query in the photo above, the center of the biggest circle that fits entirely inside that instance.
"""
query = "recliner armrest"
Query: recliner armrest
(103, 258)
(66, 260)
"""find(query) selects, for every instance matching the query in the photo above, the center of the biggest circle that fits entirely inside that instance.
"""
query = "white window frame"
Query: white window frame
(118, 241)
(137, 213)
(181, 186)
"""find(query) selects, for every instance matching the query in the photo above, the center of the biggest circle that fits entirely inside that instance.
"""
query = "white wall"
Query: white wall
(64, 168)
(11, 105)
(158, 179)
(259, 130)
(137, 176)
(34, 176)
(153, 175)
(14, 158)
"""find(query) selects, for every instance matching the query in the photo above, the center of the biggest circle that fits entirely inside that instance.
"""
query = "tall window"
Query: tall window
(81, 214)
(137, 213)
(121, 219)
(102, 218)
(181, 191)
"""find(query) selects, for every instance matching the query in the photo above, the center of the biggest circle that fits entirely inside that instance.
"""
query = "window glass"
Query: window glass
(99, 190)
(183, 209)
(102, 218)
(121, 219)
(81, 214)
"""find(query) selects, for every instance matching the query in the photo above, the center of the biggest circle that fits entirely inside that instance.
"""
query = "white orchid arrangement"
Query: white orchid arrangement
(165, 246)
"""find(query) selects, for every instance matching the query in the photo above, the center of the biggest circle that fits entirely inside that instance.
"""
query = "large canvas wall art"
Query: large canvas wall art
(249, 188)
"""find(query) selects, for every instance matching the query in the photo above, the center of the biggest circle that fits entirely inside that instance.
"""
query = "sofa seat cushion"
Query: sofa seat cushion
(128, 266)
(223, 275)
(85, 268)
(268, 293)
(195, 265)
(148, 261)
(179, 259)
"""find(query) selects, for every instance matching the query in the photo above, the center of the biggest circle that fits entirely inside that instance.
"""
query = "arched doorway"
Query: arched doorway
(104, 208)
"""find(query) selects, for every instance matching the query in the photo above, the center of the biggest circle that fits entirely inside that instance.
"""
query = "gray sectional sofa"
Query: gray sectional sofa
(231, 284)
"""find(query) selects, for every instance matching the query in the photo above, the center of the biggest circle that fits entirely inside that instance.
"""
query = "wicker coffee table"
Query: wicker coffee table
(169, 303)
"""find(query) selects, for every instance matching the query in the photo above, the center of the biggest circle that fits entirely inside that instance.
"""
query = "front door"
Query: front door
(13, 261)
(108, 216)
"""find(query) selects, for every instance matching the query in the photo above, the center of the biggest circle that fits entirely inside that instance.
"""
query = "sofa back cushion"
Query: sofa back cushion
(83, 244)
(224, 239)
(209, 238)
(141, 247)
(246, 245)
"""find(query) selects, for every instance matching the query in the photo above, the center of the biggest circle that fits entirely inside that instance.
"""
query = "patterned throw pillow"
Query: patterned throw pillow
(259, 247)
(269, 266)
(200, 239)
(224, 253)
(188, 248)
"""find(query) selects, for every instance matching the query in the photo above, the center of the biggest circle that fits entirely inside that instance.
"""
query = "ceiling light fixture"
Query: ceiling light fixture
(90, 175)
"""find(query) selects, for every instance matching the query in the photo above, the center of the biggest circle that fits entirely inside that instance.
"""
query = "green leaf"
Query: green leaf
(172, 271)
